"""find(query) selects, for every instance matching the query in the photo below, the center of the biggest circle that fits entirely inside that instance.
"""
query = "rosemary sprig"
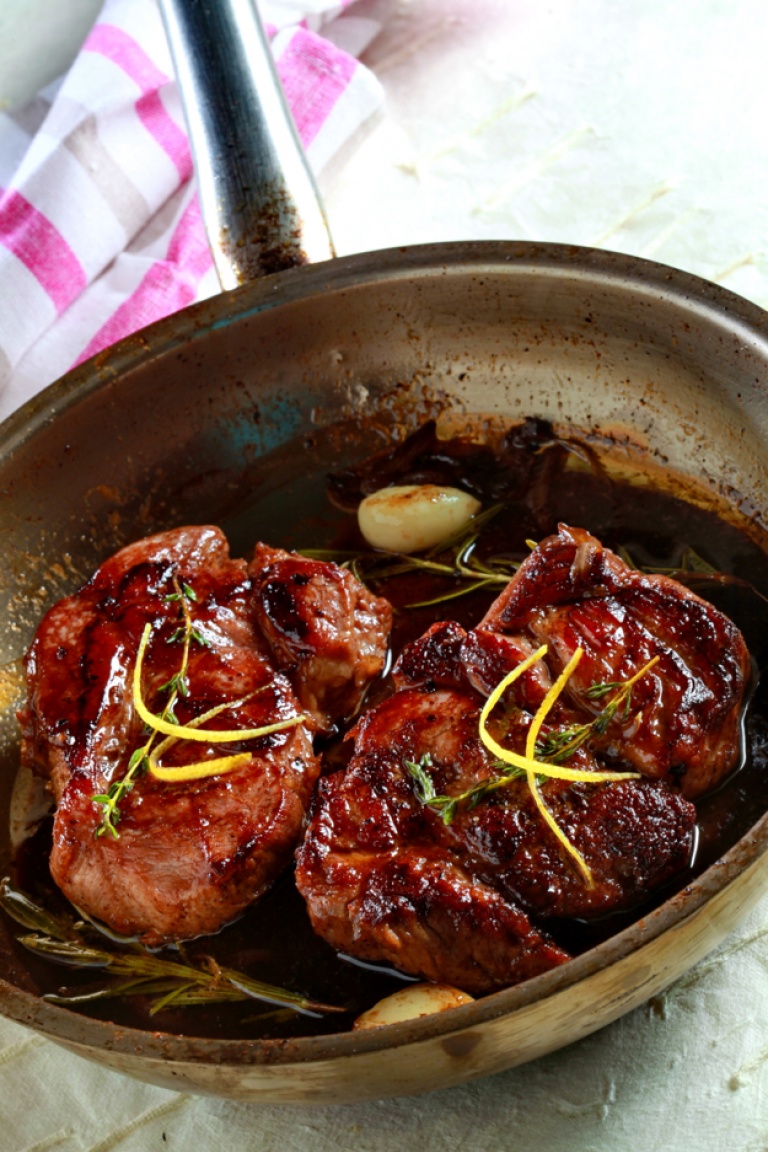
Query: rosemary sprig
(209, 984)
(694, 570)
(455, 559)
(134, 971)
(177, 686)
(23, 909)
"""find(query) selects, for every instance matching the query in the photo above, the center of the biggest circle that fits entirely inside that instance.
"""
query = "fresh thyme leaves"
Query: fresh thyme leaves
(597, 691)
(559, 745)
(134, 971)
(448, 806)
(424, 785)
(542, 758)
(146, 758)
(111, 800)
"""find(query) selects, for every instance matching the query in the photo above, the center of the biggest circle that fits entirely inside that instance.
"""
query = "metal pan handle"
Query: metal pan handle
(260, 205)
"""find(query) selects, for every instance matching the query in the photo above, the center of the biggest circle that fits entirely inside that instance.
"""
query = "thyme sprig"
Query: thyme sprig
(177, 686)
(133, 971)
(455, 559)
(531, 765)
(448, 806)
(560, 745)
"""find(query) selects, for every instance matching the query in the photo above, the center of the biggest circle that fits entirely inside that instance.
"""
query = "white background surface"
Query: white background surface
(637, 125)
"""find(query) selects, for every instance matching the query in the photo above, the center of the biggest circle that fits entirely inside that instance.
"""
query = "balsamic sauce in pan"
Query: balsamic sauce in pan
(274, 942)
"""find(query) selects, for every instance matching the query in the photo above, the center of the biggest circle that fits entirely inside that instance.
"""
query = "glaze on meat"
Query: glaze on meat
(324, 630)
(470, 902)
(190, 856)
(574, 592)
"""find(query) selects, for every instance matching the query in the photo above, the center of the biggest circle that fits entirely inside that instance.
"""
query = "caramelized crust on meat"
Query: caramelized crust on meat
(385, 878)
(381, 874)
(324, 629)
(190, 856)
(573, 592)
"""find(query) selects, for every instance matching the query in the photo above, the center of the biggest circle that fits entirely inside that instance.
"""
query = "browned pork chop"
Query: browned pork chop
(684, 725)
(324, 629)
(189, 856)
(381, 874)
(465, 900)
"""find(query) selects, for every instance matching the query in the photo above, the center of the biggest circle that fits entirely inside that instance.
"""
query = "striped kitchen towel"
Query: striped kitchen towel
(100, 226)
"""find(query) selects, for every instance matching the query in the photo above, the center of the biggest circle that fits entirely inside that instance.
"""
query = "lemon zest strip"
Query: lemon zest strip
(528, 762)
(533, 784)
(198, 721)
(549, 701)
(534, 767)
(192, 731)
(199, 770)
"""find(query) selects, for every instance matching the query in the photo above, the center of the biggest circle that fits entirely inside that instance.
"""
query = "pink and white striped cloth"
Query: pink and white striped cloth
(100, 226)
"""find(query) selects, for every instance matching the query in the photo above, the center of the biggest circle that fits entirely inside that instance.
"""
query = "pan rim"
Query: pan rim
(650, 280)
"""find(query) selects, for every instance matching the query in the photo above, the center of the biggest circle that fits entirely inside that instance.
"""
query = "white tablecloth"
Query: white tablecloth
(638, 126)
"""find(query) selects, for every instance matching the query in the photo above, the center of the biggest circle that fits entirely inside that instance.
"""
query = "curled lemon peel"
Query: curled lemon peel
(534, 768)
(193, 730)
(528, 762)
(533, 785)
(549, 700)
(199, 770)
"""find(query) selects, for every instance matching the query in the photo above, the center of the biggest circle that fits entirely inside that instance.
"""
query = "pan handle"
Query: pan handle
(260, 205)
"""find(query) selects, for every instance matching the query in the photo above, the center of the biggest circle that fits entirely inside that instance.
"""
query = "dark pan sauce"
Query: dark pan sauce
(650, 522)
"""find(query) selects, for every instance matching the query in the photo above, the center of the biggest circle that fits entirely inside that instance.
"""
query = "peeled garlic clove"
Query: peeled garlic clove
(413, 517)
(410, 1003)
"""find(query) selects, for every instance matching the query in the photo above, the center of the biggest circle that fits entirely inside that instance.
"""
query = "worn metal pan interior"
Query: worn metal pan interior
(195, 419)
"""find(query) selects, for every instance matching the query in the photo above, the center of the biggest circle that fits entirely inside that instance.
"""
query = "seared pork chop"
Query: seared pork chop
(324, 630)
(389, 873)
(684, 725)
(188, 856)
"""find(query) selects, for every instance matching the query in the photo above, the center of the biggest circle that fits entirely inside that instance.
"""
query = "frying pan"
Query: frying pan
(213, 414)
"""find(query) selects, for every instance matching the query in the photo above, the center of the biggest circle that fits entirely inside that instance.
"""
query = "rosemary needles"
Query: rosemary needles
(133, 971)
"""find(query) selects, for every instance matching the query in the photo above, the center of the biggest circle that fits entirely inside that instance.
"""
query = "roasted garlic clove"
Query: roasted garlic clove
(410, 1003)
(413, 517)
